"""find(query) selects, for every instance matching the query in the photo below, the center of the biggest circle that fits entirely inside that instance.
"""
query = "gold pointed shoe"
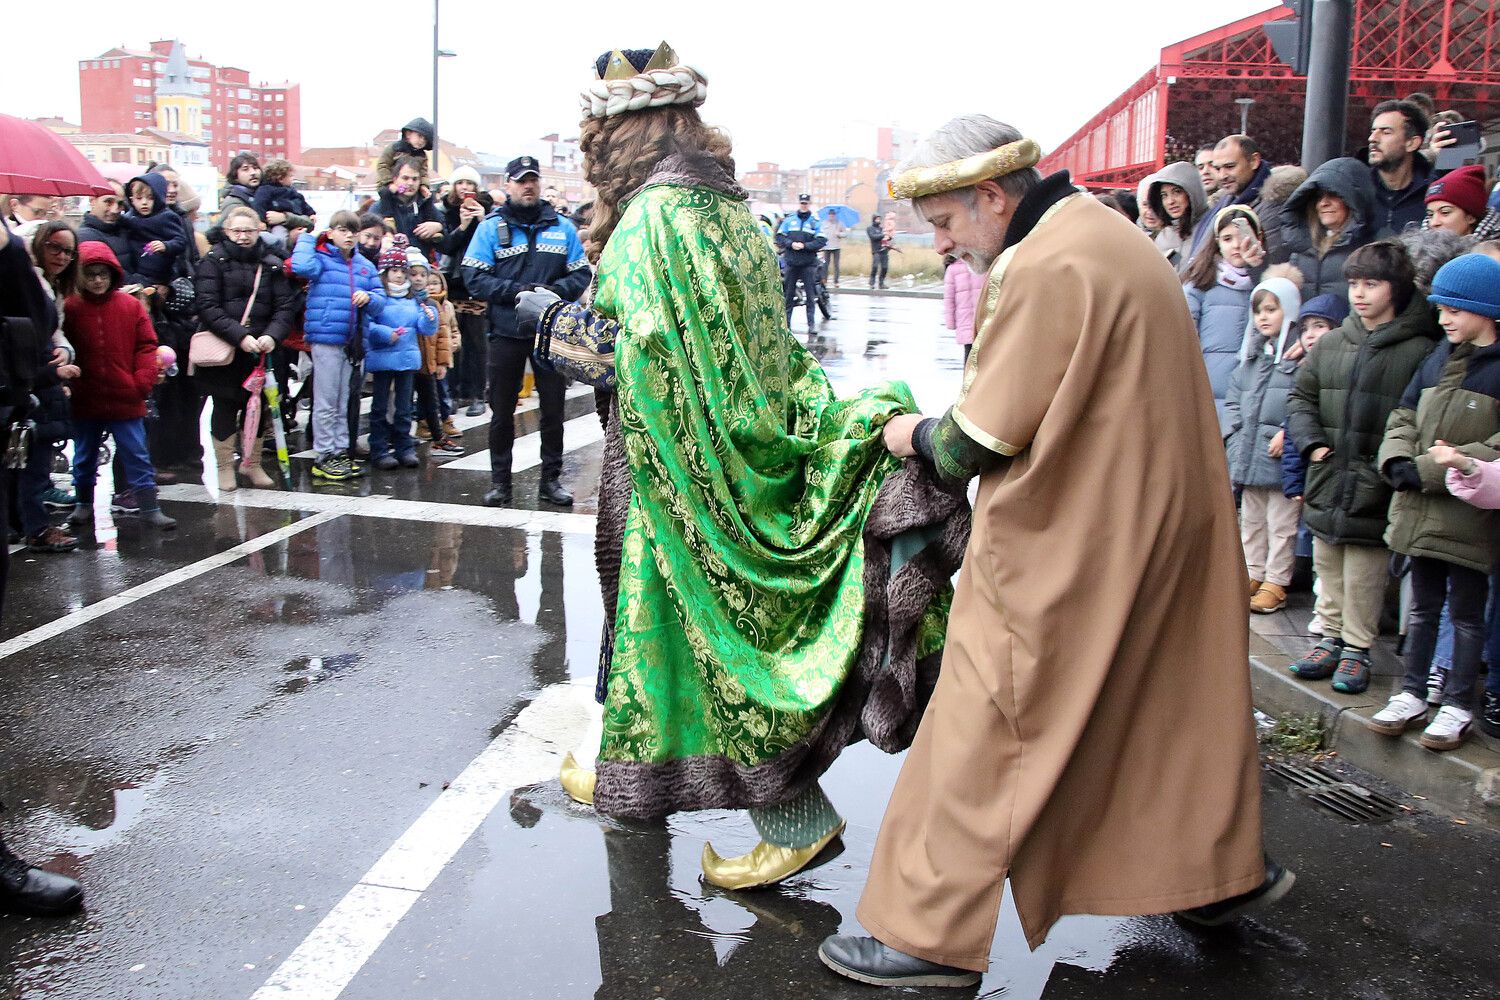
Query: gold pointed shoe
(577, 781)
(768, 864)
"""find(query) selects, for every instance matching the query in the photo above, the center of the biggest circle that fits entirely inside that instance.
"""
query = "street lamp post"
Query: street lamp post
(1245, 104)
(438, 53)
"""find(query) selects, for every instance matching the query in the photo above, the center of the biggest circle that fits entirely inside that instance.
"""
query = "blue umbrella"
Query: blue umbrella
(846, 215)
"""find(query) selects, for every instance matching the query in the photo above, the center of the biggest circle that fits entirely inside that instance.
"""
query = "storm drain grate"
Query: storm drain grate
(1342, 798)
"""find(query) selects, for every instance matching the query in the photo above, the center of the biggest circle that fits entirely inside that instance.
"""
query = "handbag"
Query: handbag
(182, 297)
(577, 344)
(209, 350)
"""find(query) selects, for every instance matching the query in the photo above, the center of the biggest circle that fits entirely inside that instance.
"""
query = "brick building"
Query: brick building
(125, 90)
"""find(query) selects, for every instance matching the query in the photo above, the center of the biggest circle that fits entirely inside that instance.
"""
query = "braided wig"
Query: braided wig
(620, 153)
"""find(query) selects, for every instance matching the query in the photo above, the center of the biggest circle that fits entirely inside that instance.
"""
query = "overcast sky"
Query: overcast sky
(791, 82)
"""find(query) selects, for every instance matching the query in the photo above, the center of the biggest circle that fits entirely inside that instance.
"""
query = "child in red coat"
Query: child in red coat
(116, 358)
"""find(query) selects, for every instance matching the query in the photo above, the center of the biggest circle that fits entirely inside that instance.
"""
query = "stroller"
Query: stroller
(820, 294)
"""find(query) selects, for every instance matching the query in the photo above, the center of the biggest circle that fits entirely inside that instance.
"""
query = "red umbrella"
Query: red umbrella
(35, 160)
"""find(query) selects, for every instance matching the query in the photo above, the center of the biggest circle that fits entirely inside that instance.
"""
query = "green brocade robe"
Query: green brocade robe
(742, 663)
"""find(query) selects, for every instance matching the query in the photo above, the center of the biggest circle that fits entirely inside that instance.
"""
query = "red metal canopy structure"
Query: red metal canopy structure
(1449, 49)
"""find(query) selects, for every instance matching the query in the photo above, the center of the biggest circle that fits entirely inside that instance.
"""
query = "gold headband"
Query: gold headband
(920, 182)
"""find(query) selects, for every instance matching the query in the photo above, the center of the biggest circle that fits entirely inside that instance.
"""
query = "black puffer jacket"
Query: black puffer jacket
(226, 276)
(1348, 179)
(456, 240)
(1344, 394)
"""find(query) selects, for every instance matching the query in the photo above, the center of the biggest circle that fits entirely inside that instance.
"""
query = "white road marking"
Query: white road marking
(460, 420)
(383, 506)
(529, 751)
(128, 597)
(526, 453)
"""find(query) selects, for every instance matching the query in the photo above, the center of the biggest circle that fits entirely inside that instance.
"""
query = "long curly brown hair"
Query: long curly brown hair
(620, 153)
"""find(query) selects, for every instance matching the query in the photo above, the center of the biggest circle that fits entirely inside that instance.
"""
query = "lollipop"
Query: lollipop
(166, 360)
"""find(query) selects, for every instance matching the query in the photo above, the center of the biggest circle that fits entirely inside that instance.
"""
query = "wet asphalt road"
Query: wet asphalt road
(227, 761)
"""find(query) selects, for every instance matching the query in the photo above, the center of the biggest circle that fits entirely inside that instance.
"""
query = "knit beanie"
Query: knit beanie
(395, 254)
(466, 173)
(415, 258)
(1463, 187)
(1471, 283)
(1333, 308)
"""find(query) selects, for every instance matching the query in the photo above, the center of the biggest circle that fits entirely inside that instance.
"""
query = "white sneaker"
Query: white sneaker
(1437, 679)
(1449, 729)
(1403, 712)
(1315, 627)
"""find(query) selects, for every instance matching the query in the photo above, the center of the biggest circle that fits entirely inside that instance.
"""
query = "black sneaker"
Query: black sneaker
(125, 504)
(1489, 713)
(332, 468)
(1278, 883)
(1320, 662)
(34, 892)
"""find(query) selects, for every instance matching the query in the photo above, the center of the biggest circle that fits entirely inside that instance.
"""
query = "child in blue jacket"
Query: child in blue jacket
(393, 356)
(342, 287)
(156, 234)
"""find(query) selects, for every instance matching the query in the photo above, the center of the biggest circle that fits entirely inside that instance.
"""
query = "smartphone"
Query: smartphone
(1252, 242)
(471, 196)
(1470, 145)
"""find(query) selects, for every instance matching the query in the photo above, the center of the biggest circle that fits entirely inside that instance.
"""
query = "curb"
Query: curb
(897, 293)
(1465, 781)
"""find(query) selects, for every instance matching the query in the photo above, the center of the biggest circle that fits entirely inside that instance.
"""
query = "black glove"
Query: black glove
(1402, 474)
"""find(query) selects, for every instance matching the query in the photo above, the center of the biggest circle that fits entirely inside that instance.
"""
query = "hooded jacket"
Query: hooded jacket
(1281, 184)
(115, 345)
(384, 351)
(331, 316)
(1219, 314)
(1255, 405)
(1348, 179)
(1170, 240)
(385, 168)
(1345, 392)
(162, 224)
(1454, 397)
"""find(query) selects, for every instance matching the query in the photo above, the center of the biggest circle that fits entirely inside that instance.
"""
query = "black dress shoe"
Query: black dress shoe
(498, 496)
(868, 961)
(551, 492)
(1278, 883)
(33, 892)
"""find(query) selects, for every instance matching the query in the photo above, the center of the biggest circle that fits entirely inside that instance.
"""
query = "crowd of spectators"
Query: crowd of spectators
(1347, 323)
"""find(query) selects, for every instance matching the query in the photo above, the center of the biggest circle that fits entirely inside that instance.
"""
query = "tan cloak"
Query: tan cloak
(1091, 734)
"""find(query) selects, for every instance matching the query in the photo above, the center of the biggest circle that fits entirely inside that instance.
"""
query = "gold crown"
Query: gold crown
(619, 68)
(920, 182)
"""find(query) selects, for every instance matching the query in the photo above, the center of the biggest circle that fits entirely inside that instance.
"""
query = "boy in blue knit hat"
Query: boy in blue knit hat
(1455, 399)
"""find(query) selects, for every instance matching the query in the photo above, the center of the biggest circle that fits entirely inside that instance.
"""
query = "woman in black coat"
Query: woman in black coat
(226, 278)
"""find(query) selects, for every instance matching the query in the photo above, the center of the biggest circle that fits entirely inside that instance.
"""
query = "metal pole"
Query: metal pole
(436, 58)
(1325, 120)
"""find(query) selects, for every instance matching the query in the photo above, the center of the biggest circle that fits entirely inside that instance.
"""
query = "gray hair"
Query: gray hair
(970, 135)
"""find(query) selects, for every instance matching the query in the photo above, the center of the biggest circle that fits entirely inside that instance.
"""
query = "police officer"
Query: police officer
(521, 245)
(799, 238)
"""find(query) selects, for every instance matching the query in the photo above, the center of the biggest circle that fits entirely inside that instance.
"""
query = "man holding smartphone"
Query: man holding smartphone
(1401, 173)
